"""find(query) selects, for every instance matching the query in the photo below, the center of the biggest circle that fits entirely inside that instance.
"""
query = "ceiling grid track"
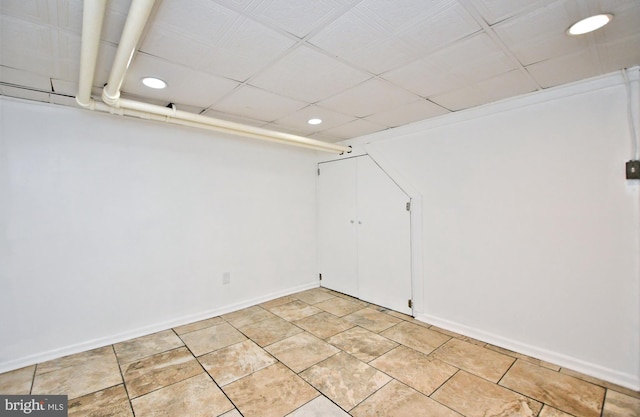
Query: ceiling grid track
(473, 11)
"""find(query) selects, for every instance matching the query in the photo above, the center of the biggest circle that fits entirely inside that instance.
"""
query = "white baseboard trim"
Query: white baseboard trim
(626, 380)
(17, 363)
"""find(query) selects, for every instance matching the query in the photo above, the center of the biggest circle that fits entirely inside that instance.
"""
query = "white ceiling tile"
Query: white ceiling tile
(397, 15)
(298, 120)
(407, 113)
(465, 62)
(367, 98)
(540, 35)
(33, 10)
(234, 118)
(449, 24)
(257, 104)
(185, 85)
(201, 20)
(64, 87)
(369, 47)
(623, 53)
(354, 129)
(24, 93)
(503, 86)
(308, 75)
(239, 4)
(244, 50)
(564, 69)
(172, 46)
(298, 17)
(326, 137)
(494, 11)
(63, 100)
(24, 78)
(33, 52)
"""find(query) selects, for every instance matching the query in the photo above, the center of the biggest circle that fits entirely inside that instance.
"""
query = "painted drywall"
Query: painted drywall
(529, 228)
(114, 227)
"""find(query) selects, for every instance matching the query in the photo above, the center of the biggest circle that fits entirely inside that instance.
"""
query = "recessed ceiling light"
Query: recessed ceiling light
(152, 82)
(314, 121)
(589, 24)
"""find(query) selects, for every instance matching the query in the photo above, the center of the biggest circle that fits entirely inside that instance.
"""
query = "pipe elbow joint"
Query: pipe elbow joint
(112, 101)
(89, 104)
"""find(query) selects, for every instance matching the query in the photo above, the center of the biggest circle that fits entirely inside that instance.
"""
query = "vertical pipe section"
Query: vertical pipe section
(92, 18)
(134, 26)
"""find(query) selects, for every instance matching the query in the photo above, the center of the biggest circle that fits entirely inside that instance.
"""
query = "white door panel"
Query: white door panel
(384, 239)
(337, 250)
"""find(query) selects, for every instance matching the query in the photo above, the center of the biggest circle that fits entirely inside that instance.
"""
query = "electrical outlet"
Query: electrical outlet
(226, 278)
(633, 170)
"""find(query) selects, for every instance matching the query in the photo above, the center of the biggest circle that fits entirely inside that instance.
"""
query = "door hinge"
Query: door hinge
(410, 303)
(320, 275)
(409, 206)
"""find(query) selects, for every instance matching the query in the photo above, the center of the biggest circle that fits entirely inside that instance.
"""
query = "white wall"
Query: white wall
(111, 228)
(530, 230)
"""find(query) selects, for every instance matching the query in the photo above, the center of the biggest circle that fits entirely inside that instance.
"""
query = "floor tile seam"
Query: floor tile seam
(235, 407)
(429, 396)
(202, 328)
(370, 395)
(468, 370)
(124, 386)
(499, 383)
(604, 397)
(612, 387)
(165, 386)
(122, 365)
(33, 378)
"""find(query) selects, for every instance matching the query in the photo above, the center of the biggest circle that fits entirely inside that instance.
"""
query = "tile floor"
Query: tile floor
(316, 353)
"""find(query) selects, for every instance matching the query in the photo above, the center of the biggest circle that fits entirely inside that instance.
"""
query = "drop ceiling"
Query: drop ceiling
(361, 66)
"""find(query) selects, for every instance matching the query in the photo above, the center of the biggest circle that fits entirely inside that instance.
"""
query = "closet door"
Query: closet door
(337, 241)
(384, 239)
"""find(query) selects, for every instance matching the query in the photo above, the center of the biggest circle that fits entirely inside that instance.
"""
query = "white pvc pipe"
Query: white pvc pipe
(134, 26)
(136, 20)
(92, 18)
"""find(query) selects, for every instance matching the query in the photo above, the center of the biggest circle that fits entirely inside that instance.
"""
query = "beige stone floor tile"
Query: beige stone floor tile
(473, 396)
(81, 358)
(277, 302)
(602, 383)
(361, 303)
(398, 400)
(474, 359)
(81, 376)
(416, 337)
(212, 338)
(301, 351)
(159, 371)
(345, 380)
(17, 382)
(362, 343)
(620, 405)
(295, 310)
(270, 331)
(323, 325)
(198, 325)
(417, 370)
(111, 402)
(232, 413)
(548, 411)
(138, 348)
(526, 358)
(563, 392)
(247, 316)
(339, 306)
(372, 320)
(458, 336)
(197, 396)
(236, 361)
(319, 407)
(274, 391)
(313, 296)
